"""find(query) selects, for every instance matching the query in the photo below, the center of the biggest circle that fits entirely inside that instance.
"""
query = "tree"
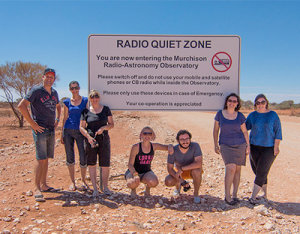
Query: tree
(285, 105)
(248, 105)
(61, 102)
(18, 78)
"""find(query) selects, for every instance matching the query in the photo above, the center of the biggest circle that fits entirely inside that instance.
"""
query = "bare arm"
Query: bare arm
(84, 132)
(216, 136)
(134, 151)
(169, 148)
(24, 111)
(245, 132)
(109, 126)
(195, 165)
(66, 116)
(276, 147)
(172, 172)
(58, 113)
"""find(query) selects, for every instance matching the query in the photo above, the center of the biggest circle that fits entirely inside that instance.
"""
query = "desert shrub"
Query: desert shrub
(295, 112)
(285, 105)
(61, 101)
(5, 112)
(247, 105)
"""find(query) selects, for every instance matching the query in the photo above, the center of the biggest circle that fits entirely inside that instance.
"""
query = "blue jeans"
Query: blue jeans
(44, 144)
(70, 136)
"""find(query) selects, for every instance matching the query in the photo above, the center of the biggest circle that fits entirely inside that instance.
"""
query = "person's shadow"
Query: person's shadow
(288, 208)
(183, 202)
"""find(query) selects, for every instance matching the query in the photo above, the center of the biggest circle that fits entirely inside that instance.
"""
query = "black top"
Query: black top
(43, 106)
(95, 121)
(142, 163)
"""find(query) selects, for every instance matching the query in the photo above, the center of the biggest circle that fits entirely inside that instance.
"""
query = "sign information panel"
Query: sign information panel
(162, 72)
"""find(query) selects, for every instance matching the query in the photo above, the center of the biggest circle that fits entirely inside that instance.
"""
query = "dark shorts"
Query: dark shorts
(44, 144)
(141, 175)
(103, 151)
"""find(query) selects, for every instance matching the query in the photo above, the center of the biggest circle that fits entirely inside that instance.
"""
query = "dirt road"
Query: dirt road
(78, 212)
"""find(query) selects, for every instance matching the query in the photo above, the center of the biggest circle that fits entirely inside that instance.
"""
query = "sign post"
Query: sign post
(163, 72)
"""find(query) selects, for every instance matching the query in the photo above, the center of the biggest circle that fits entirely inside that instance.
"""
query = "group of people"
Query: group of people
(231, 140)
(88, 126)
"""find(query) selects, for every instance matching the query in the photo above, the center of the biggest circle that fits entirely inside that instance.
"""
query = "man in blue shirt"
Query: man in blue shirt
(45, 110)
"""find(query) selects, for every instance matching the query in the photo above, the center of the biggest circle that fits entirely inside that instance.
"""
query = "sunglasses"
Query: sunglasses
(94, 96)
(49, 70)
(260, 103)
(147, 133)
(183, 140)
(233, 101)
(74, 88)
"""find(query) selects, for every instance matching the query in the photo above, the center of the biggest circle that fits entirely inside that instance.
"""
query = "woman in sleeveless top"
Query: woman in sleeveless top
(139, 165)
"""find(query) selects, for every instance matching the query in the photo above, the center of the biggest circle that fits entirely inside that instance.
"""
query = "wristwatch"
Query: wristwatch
(57, 120)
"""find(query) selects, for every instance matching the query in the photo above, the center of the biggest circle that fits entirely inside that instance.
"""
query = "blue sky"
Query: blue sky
(55, 34)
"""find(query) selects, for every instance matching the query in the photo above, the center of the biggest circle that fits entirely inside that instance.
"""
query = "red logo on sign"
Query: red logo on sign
(221, 62)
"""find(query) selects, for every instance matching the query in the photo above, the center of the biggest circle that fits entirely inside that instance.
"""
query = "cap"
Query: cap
(47, 70)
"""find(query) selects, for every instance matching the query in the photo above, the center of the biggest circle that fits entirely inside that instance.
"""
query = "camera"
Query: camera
(94, 144)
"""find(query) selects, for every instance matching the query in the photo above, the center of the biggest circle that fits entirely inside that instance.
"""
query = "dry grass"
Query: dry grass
(289, 112)
(5, 111)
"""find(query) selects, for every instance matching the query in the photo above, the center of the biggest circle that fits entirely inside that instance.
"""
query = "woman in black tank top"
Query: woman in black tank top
(139, 165)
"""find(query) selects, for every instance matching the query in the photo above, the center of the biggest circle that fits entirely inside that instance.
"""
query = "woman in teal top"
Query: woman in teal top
(72, 111)
(265, 136)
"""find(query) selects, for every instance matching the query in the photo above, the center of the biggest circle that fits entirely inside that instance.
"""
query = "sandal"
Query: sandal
(108, 192)
(95, 193)
(50, 190)
(262, 198)
(253, 201)
(185, 188)
(82, 188)
(232, 203)
(236, 199)
(72, 188)
(39, 198)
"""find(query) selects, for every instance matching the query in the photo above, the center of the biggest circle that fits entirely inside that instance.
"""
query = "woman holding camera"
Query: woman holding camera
(94, 125)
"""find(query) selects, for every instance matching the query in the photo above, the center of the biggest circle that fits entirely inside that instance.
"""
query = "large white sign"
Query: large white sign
(162, 72)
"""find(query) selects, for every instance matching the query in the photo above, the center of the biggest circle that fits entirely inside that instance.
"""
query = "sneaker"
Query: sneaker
(176, 192)
(197, 199)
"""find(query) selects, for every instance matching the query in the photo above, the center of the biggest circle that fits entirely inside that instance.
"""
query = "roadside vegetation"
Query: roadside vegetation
(284, 108)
